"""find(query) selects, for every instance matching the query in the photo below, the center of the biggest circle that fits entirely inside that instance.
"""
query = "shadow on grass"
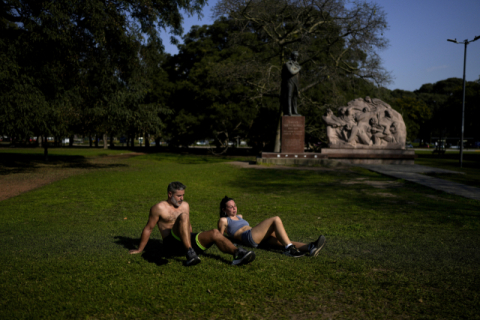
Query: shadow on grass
(11, 163)
(187, 158)
(261, 246)
(152, 253)
(155, 252)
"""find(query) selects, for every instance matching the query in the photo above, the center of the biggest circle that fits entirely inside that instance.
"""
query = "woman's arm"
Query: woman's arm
(222, 225)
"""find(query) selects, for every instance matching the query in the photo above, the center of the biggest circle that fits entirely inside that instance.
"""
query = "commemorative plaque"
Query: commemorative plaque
(293, 134)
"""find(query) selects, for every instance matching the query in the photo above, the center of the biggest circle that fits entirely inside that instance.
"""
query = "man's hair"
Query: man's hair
(223, 205)
(176, 186)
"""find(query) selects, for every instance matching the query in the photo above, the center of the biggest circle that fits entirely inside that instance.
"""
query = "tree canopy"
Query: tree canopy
(335, 40)
(227, 75)
(98, 67)
(75, 64)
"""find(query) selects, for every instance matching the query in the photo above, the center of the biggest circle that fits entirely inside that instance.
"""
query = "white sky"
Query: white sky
(418, 31)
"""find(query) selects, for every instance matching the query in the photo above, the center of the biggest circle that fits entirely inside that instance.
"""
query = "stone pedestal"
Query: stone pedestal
(293, 134)
(370, 156)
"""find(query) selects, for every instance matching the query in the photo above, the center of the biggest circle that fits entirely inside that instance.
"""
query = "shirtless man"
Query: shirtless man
(173, 219)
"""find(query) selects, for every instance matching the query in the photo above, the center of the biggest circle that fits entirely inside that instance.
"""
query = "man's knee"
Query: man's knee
(215, 234)
(183, 217)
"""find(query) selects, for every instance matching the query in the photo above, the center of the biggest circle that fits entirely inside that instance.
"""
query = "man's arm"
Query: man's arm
(188, 211)
(152, 221)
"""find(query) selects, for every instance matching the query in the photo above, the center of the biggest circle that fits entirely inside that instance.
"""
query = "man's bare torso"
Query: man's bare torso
(167, 215)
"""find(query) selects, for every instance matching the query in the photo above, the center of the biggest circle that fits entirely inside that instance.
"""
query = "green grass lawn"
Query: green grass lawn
(394, 249)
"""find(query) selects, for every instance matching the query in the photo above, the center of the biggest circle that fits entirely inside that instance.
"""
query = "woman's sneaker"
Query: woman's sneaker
(315, 247)
(243, 257)
(292, 251)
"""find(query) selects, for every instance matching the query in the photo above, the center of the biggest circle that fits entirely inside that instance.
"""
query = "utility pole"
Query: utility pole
(466, 42)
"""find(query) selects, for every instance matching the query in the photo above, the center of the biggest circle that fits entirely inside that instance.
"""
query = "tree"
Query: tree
(334, 40)
(451, 112)
(436, 96)
(414, 112)
(77, 61)
(208, 104)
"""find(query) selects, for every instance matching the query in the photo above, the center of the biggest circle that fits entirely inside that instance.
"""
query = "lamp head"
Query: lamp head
(455, 41)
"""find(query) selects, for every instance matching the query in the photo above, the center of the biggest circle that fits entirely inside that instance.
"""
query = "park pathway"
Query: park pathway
(416, 173)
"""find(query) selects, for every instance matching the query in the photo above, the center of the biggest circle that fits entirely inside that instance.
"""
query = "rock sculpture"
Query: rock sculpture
(366, 123)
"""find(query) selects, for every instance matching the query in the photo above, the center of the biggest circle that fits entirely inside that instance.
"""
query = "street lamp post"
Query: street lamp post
(466, 42)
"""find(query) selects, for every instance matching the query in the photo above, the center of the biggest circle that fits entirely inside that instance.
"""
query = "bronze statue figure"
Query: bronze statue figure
(290, 85)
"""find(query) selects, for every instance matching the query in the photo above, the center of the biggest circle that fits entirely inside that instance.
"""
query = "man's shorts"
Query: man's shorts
(247, 239)
(173, 245)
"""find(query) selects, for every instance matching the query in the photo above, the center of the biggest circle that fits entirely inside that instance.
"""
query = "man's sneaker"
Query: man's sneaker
(243, 257)
(292, 251)
(315, 247)
(192, 258)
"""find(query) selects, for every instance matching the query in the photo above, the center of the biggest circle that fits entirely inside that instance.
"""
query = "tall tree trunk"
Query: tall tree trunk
(278, 134)
(96, 141)
(45, 149)
(147, 141)
(278, 141)
(133, 141)
(105, 141)
(70, 140)
(157, 142)
(90, 141)
(39, 141)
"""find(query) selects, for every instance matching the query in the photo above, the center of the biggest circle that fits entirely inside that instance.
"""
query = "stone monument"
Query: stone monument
(366, 124)
(365, 131)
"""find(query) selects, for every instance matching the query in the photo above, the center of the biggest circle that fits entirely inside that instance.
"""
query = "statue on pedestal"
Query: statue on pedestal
(290, 85)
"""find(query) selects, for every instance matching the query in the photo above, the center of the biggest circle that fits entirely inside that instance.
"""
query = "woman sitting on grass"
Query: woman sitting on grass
(270, 232)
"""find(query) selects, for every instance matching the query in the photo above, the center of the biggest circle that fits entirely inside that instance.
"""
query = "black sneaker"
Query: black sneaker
(315, 247)
(243, 257)
(192, 258)
(292, 251)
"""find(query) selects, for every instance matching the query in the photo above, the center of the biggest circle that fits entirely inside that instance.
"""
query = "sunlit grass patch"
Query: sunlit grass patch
(411, 254)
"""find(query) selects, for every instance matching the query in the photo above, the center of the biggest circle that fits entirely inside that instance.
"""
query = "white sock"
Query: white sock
(288, 245)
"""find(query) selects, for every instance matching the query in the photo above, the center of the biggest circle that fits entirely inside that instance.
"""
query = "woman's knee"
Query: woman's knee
(277, 219)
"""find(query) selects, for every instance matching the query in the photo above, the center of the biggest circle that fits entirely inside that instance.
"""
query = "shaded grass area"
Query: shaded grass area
(451, 161)
(18, 160)
(63, 152)
(21, 171)
(400, 251)
(12, 163)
